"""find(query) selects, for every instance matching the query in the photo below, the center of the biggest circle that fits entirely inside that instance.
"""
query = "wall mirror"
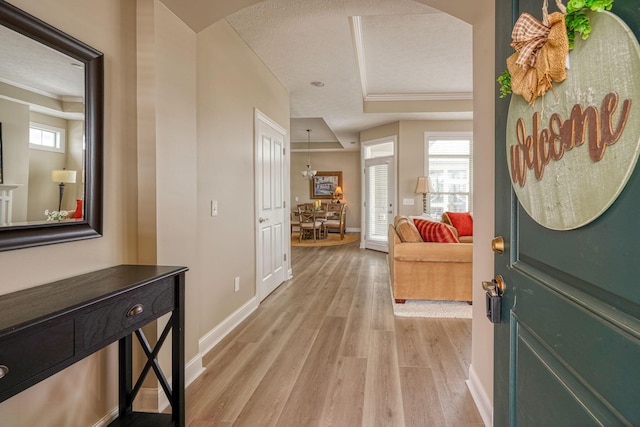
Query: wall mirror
(51, 119)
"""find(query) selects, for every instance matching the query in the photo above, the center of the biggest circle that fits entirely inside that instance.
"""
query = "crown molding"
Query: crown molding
(451, 96)
(358, 45)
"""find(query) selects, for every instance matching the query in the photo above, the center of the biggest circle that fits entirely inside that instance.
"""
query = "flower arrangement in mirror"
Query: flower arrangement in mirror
(56, 215)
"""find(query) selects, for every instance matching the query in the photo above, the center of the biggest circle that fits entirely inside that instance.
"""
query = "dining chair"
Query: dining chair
(333, 210)
(309, 224)
(336, 222)
(295, 220)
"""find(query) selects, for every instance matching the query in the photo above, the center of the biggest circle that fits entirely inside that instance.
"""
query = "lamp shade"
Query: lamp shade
(63, 175)
(338, 190)
(423, 186)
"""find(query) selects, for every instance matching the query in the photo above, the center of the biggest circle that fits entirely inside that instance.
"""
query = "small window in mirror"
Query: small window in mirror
(48, 138)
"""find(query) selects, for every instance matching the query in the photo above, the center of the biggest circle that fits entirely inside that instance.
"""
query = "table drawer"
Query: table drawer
(126, 313)
(31, 352)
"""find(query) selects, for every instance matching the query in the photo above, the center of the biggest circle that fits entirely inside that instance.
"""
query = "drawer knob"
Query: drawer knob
(4, 370)
(135, 310)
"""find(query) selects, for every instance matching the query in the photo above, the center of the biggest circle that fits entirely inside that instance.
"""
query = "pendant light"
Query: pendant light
(309, 173)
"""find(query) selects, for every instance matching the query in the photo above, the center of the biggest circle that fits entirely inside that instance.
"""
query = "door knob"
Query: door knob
(497, 245)
(263, 219)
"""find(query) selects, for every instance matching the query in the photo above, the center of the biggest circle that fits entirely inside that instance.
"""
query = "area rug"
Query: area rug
(438, 309)
(332, 240)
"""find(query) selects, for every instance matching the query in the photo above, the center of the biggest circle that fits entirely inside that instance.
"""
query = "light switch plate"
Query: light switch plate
(408, 202)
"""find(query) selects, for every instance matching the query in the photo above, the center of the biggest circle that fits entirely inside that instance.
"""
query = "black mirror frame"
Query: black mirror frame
(24, 236)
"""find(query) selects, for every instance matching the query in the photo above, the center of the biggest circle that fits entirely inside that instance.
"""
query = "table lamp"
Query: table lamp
(423, 186)
(62, 176)
(337, 193)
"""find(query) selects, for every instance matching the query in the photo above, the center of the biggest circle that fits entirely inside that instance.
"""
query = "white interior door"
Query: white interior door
(270, 202)
(379, 202)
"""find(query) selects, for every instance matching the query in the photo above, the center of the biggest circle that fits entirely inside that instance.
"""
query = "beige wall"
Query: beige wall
(410, 154)
(379, 132)
(44, 194)
(15, 154)
(232, 81)
(347, 162)
(167, 152)
(86, 391)
(32, 168)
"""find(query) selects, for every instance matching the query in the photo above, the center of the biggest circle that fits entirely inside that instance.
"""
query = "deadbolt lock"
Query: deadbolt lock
(497, 245)
(494, 290)
(496, 286)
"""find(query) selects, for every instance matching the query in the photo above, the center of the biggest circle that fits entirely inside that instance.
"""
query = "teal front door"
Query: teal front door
(567, 350)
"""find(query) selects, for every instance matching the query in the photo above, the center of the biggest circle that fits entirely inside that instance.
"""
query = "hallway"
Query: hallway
(325, 350)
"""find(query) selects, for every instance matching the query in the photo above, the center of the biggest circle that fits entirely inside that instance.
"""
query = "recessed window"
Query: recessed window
(450, 169)
(45, 137)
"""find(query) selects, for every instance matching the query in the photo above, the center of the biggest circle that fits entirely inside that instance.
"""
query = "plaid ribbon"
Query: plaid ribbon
(528, 36)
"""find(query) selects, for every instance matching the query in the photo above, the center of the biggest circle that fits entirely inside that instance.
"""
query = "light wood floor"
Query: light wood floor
(325, 350)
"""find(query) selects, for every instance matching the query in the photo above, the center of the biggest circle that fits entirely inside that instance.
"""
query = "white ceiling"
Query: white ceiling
(408, 59)
(380, 60)
(30, 65)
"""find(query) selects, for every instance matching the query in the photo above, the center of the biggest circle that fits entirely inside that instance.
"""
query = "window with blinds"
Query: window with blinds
(378, 200)
(449, 163)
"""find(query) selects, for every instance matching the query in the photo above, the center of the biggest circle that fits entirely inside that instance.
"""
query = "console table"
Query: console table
(47, 328)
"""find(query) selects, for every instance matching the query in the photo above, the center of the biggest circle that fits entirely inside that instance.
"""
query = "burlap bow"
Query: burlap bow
(540, 57)
(528, 35)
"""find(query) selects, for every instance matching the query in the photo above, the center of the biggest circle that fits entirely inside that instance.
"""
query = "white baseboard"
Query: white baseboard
(480, 397)
(154, 399)
(107, 419)
(213, 337)
(147, 399)
(192, 370)
(352, 229)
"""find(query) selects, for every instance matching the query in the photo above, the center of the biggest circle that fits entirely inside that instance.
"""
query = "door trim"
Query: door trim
(363, 184)
(466, 134)
(260, 117)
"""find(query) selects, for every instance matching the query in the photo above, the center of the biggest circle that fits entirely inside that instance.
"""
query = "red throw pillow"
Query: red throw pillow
(432, 231)
(462, 221)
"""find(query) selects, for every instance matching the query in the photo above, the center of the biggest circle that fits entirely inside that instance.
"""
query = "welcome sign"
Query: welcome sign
(571, 154)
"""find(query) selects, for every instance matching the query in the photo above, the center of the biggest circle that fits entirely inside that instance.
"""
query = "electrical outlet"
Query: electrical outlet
(214, 208)
(236, 284)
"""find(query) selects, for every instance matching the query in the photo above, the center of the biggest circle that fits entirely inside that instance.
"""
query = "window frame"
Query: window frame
(60, 134)
(440, 136)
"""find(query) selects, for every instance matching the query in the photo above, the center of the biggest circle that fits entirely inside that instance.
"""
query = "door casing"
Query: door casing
(392, 161)
(271, 218)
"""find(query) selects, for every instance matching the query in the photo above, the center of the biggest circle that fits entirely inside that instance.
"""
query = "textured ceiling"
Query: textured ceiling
(417, 54)
(28, 64)
(380, 60)
(365, 51)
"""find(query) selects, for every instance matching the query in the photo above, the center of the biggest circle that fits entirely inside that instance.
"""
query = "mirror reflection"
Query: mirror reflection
(42, 95)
